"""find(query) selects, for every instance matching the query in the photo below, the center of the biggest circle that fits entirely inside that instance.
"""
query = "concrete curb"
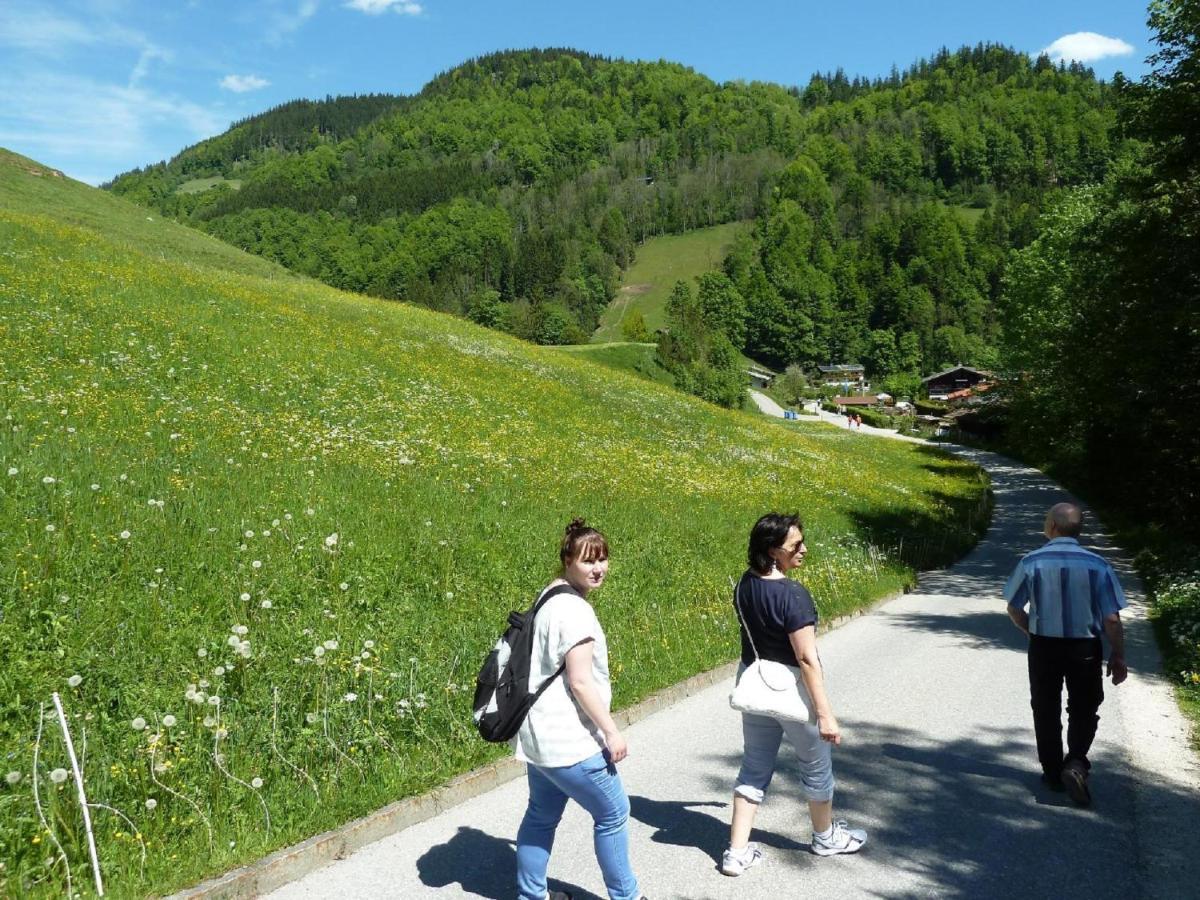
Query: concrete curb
(294, 862)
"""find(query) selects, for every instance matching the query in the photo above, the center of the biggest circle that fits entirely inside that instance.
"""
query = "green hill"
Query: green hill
(516, 188)
(256, 528)
(660, 262)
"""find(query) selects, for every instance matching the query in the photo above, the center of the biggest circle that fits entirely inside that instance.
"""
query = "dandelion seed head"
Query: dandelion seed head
(350, 697)
(125, 535)
(202, 653)
(370, 645)
(49, 479)
(266, 604)
(13, 470)
(331, 644)
(318, 651)
(257, 564)
(249, 533)
(345, 586)
(12, 777)
(50, 529)
(169, 721)
(240, 630)
(209, 721)
(95, 487)
(151, 803)
(331, 540)
(256, 782)
(58, 776)
(75, 680)
(203, 682)
(232, 640)
(244, 597)
(219, 671)
(310, 718)
(138, 724)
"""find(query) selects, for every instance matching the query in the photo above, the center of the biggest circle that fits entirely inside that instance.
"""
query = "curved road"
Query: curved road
(938, 763)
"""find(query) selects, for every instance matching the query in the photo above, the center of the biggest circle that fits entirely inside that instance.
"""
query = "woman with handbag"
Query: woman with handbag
(778, 628)
(569, 740)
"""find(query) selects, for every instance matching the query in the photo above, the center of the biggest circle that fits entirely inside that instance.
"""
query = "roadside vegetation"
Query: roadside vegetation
(259, 534)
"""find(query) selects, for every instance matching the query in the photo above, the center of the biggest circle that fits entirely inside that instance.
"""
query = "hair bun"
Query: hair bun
(576, 524)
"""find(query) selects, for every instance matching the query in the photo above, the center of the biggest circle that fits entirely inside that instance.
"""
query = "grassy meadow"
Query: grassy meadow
(258, 534)
(661, 262)
(624, 356)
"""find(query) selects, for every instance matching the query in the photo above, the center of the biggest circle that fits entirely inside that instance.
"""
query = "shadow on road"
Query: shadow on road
(967, 818)
(682, 824)
(484, 865)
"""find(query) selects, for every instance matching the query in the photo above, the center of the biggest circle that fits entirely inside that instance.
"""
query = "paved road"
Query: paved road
(938, 764)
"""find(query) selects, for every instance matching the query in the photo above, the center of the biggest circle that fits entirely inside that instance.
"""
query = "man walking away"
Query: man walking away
(1064, 597)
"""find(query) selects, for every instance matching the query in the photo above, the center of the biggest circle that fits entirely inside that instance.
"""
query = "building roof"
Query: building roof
(840, 368)
(855, 401)
(953, 369)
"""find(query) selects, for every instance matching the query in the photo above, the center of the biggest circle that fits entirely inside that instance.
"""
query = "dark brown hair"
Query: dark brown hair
(768, 533)
(580, 540)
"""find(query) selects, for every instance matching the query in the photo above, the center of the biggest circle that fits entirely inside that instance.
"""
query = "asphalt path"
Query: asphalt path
(938, 764)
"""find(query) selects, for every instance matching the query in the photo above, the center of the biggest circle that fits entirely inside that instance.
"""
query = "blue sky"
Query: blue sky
(96, 87)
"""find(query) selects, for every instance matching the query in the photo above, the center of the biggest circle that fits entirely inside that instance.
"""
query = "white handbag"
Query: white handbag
(768, 688)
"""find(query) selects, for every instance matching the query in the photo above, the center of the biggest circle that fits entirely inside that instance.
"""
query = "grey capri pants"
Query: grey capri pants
(762, 736)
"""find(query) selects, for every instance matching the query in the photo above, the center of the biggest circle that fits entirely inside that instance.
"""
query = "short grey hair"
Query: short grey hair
(1067, 519)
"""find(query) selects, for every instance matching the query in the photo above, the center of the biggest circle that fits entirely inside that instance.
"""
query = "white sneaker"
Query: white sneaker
(735, 862)
(841, 840)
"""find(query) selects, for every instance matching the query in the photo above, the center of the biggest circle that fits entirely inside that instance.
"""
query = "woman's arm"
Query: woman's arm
(804, 646)
(583, 689)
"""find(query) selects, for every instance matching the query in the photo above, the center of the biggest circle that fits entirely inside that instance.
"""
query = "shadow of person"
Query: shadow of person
(484, 866)
(681, 824)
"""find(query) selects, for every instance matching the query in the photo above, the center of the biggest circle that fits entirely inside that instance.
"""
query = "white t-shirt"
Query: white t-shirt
(557, 732)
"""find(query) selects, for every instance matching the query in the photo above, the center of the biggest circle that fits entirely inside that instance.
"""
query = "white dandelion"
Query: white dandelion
(138, 724)
(58, 776)
(75, 680)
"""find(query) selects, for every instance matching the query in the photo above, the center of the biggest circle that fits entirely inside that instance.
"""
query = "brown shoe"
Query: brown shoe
(1075, 777)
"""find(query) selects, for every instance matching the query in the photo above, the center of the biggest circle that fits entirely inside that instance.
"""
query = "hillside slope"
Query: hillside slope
(260, 533)
(515, 188)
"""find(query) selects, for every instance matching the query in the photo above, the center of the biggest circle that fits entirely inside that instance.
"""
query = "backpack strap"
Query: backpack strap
(549, 595)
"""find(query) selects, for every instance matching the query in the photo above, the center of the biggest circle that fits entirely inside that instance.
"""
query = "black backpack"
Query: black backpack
(502, 697)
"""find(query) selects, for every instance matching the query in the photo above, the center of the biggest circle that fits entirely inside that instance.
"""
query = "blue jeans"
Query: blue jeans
(595, 785)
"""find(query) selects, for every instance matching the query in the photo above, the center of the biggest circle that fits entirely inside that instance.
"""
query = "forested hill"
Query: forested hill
(513, 188)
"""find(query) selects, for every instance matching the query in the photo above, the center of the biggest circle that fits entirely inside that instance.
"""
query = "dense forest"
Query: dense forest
(1101, 311)
(514, 188)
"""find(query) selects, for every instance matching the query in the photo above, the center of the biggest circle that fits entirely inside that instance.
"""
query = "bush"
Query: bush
(1176, 610)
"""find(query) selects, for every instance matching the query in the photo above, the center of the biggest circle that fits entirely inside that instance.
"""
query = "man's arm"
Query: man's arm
(1020, 618)
(1115, 633)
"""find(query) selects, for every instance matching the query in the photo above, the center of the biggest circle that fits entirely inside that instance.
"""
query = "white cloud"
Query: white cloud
(142, 68)
(240, 84)
(93, 130)
(375, 7)
(282, 24)
(41, 31)
(1085, 47)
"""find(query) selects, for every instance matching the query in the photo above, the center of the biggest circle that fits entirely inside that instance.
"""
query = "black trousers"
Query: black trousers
(1078, 662)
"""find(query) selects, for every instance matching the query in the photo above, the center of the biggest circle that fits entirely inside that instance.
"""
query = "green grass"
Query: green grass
(200, 185)
(188, 449)
(625, 356)
(660, 262)
(122, 223)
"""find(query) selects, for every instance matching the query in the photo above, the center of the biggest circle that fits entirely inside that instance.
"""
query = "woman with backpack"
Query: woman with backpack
(568, 739)
(778, 624)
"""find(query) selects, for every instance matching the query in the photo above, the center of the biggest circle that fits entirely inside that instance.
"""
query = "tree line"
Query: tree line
(515, 188)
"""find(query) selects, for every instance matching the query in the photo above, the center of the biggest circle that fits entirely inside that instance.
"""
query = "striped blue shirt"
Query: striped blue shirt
(1070, 591)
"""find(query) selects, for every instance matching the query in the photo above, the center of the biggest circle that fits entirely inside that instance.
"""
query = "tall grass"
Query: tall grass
(259, 534)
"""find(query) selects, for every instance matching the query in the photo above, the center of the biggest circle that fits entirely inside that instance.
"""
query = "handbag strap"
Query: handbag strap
(737, 606)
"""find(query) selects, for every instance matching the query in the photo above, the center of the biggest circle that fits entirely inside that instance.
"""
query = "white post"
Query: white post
(83, 804)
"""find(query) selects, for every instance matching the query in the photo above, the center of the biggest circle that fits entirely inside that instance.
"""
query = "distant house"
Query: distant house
(759, 378)
(857, 400)
(847, 376)
(959, 378)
